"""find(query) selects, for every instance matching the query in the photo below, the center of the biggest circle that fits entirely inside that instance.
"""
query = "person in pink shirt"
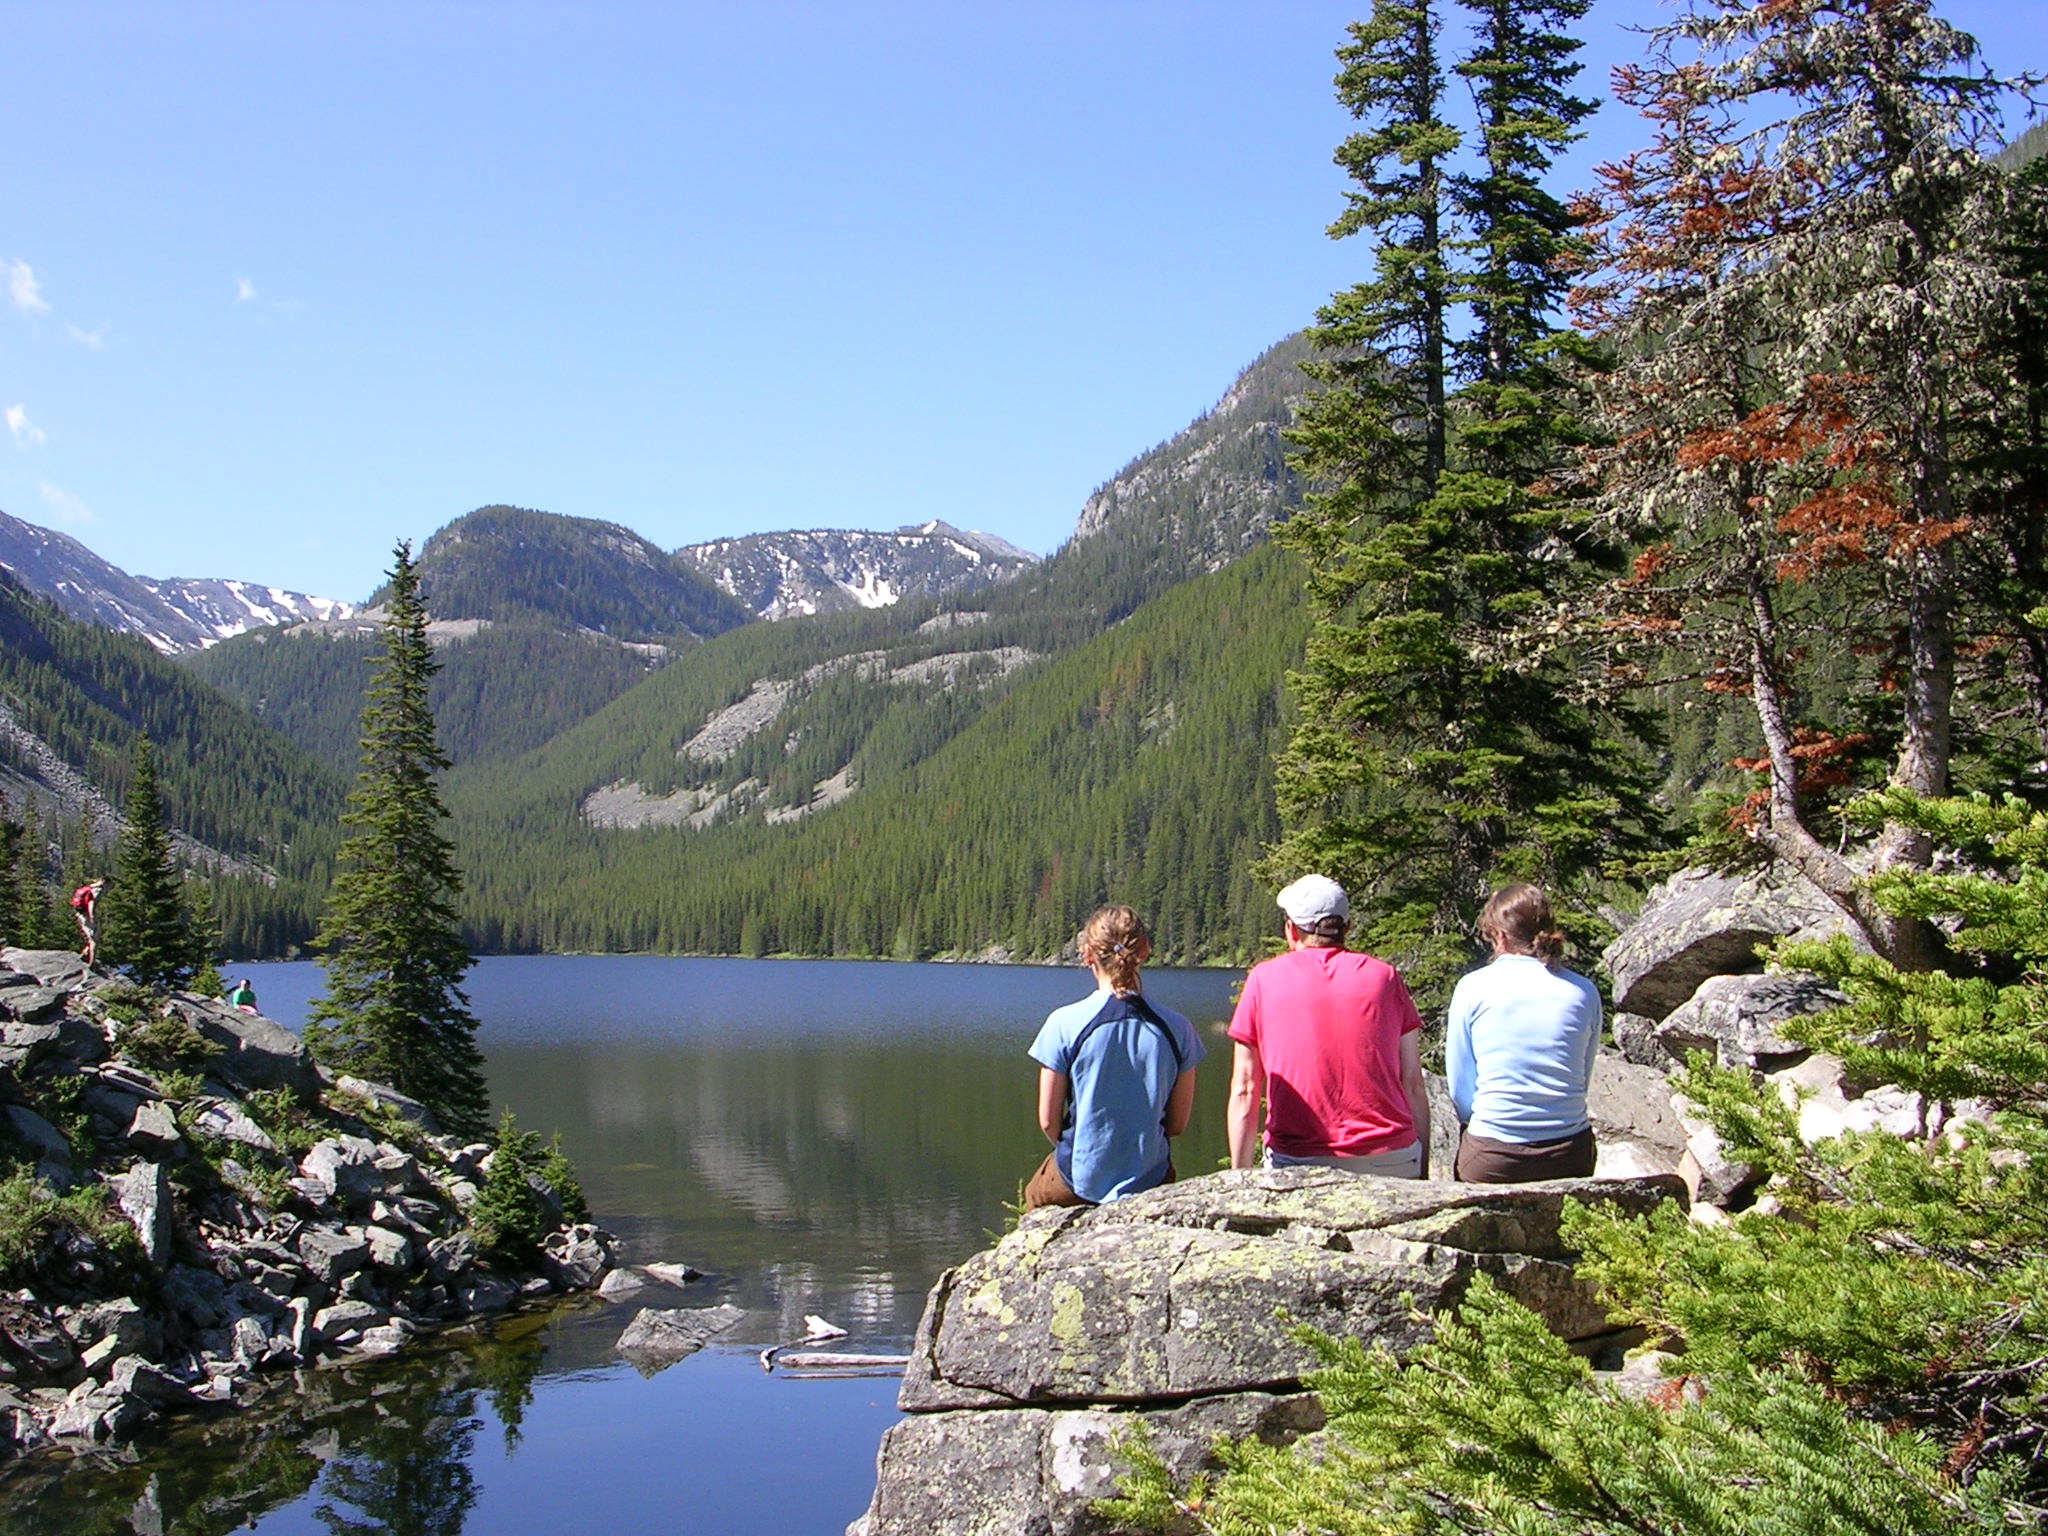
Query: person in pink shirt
(1329, 1051)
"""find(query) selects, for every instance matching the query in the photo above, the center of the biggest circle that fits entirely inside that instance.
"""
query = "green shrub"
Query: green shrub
(283, 1119)
(560, 1176)
(511, 1217)
(177, 1087)
(30, 1215)
(166, 1044)
(59, 1100)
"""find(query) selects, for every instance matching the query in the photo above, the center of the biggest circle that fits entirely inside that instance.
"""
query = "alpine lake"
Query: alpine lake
(817, 1137)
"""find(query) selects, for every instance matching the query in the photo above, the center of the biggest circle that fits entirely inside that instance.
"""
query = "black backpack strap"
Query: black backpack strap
(1133, 1006)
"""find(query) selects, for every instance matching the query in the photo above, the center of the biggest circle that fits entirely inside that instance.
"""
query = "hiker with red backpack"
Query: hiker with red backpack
(85, 907)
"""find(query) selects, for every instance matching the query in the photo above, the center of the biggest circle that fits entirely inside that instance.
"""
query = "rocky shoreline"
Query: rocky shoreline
(197, 1205)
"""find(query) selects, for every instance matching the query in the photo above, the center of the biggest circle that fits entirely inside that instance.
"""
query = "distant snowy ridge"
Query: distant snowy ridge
(224, 608)
(779, 575)
(174, 615)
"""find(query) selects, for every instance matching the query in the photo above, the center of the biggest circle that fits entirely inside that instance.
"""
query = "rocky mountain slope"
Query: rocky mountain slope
(175, 615)
(1214, 488)
(778, 575)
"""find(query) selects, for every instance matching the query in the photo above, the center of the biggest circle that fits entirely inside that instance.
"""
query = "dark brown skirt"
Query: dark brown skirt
(1482, 1160)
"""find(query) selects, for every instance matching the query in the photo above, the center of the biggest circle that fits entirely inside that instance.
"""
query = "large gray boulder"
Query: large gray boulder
(1180, 1292)
(1172, 1314)
(254, 1051)
(660, 1336)
(1700, 924)
(1634, 1124)
(59, 968)
(1737, 1018)
(1038, 1474)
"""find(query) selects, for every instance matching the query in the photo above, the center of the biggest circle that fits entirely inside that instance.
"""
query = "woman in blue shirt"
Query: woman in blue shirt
(1116, 1076)
(1518, 1050)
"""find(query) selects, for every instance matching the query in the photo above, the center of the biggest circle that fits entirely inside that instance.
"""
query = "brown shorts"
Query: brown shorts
(1049, 1187)
(1482, 1160)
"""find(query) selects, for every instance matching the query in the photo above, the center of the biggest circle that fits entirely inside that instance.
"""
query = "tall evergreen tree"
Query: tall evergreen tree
(395, 1010)
(1806, 271)
(1443, 744)
(142, 913)
(41, 924)
(15, 890)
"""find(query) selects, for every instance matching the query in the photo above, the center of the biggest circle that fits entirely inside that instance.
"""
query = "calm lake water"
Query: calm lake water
(817, 1136)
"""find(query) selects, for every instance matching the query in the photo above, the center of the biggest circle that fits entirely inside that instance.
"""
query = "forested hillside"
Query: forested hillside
(74, 698)
(1133, 767)
(502, 689)
(572, 572)
(1082, 753)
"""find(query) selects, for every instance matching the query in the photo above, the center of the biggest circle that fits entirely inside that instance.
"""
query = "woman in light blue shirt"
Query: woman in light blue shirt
(1518, 1050)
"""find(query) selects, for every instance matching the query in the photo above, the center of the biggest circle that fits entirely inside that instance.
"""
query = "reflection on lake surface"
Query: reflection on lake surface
(818, 1136)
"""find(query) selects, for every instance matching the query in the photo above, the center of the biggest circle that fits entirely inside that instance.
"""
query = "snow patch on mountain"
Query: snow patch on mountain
(781, 575)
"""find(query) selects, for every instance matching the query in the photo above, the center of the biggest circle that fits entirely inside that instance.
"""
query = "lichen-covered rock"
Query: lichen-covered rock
(1179, 1292)
(1699, 924)
(1170, 1314)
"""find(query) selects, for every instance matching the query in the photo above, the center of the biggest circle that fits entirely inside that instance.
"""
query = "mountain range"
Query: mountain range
(944, 745)
(176, 615)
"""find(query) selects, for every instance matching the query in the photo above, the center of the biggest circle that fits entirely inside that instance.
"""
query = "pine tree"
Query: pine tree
(394, 1009)
(1443, 740)
(1804, 275)
(142, 912)
(15, 890)
(45, 919)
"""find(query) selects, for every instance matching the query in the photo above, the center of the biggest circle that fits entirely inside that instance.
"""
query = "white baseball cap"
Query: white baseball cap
(1312, 899)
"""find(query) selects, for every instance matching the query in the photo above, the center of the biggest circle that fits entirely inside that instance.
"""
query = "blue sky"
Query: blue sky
(281, 283)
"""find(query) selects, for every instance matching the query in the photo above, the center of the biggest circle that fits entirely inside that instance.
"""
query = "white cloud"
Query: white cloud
(69, 508)
(26, 434)
(245, 293)
(22, 287)
(97, 340)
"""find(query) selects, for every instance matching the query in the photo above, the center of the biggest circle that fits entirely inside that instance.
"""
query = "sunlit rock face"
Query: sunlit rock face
(1177, 1309)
